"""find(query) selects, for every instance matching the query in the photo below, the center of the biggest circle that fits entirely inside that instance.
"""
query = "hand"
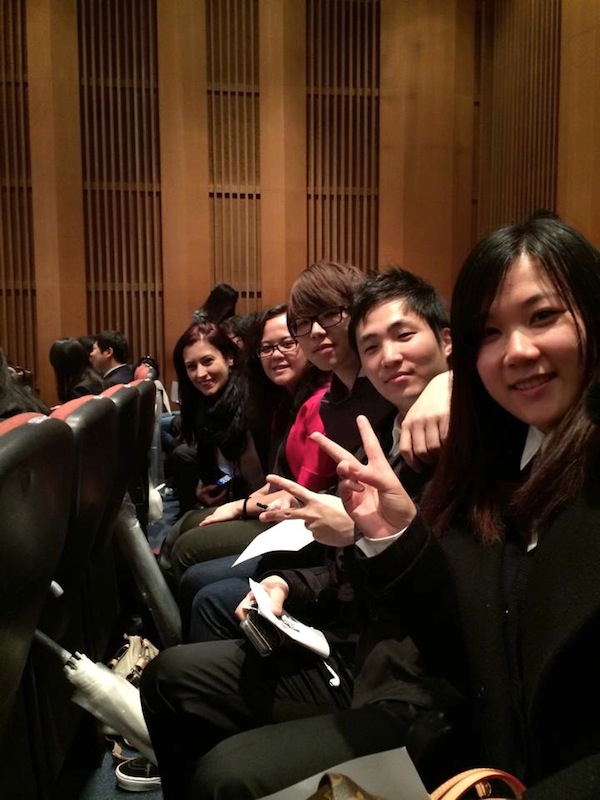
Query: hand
(425, 426)
(371, 493)
(323, 514)
(276, 588)
(211, 495)
(227, 511)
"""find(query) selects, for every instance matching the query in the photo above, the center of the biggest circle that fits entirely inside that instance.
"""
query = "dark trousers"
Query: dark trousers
(193, 544)
(209, 593)
(227, 724)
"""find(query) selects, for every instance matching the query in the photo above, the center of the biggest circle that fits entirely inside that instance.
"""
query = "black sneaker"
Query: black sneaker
(138, 775)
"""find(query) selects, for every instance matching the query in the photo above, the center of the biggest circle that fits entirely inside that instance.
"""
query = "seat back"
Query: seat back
(35, 489)
(94, 423)
(127, 402)
(68, 619)
(147, 420)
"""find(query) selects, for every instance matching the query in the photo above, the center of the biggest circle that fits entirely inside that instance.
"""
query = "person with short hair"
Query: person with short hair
(110, 357)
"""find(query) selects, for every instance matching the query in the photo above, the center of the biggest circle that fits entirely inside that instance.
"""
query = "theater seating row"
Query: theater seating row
(62, 480)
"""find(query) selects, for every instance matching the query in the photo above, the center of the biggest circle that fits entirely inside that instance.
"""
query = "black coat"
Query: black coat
(448, 596)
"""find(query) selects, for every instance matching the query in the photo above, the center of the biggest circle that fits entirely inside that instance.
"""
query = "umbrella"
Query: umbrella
(106, 695)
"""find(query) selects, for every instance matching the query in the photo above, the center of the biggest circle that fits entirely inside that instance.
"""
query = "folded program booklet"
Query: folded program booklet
(303, 634)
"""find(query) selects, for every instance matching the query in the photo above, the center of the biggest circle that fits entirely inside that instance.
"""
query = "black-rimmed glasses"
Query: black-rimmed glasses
(284, 346)
(326, 319)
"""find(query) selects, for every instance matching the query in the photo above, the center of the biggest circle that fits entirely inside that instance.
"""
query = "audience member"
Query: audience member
(110, 357)
(218, 306)
(16, 397)
(213, 421)
(73, 372)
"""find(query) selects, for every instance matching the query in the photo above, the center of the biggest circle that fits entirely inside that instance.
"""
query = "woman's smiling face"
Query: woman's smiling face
(286, 366)
(530, 356)
(206, 367)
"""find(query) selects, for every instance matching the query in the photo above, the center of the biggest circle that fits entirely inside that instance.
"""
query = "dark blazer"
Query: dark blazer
(448, 596)
(122, 374)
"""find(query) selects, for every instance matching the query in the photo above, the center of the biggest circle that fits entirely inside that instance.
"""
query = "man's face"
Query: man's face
(100, 359)
(399, 352)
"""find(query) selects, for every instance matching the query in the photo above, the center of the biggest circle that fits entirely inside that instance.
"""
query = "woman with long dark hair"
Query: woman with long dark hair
(75, 376)
(213, 418)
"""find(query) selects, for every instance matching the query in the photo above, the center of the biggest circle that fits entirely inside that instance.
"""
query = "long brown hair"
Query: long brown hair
(484, 441)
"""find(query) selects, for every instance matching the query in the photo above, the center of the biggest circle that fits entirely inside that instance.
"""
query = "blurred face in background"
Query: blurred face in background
(100, 360)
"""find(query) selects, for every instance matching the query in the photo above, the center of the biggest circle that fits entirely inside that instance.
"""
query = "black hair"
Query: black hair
(396, 283)
(16, 397)
(117, 341)
(271, 409)
(71, 364)
(218, 421)
(465, 482)
(219, 305)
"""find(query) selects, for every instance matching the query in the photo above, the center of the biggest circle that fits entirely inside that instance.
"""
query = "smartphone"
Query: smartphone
(224, 480)
(264, 636)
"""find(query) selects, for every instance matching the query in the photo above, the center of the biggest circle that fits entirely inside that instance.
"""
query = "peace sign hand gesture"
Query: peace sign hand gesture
(371, 493)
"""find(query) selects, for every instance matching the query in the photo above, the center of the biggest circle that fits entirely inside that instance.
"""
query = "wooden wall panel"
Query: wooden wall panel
(187, 260)
(343, 60)
(578, 190)
(283, 143)
(234, 141)
(121, 170)
(56, 178)
(17, 277)
(427, 99)
(519, 110)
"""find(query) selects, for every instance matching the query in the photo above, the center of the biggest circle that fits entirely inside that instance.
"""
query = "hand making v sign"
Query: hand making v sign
(371, 493)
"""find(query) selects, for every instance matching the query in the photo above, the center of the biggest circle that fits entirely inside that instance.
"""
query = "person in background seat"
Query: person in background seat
(110, 357)
(73, 372)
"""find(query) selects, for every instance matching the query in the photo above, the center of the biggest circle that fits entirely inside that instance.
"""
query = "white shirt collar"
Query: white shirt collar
(533, 442)
(396, 431)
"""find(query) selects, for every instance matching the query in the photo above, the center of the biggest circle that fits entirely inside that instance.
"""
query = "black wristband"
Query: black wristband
(244, 508)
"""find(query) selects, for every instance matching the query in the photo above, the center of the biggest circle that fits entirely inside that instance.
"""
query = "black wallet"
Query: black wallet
(264, 636)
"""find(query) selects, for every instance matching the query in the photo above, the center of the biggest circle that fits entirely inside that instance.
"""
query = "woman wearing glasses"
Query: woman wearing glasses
(279, 379)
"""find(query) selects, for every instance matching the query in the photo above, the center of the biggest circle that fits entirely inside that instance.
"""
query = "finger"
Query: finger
(333, 450)
(242, 609)
(297, 491)
(371, 444)
(273, 515)
(407, 449)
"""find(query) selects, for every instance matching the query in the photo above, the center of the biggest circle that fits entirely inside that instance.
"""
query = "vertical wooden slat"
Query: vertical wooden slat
(120, 154)
(343, 129)
(519, 120)
(17, 279)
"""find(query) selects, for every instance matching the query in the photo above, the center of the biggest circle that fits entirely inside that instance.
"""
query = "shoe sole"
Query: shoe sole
(137, 784)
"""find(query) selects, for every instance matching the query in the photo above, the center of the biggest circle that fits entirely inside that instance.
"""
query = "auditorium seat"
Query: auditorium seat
(139, 487)
(68, 619)
(35, 489)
